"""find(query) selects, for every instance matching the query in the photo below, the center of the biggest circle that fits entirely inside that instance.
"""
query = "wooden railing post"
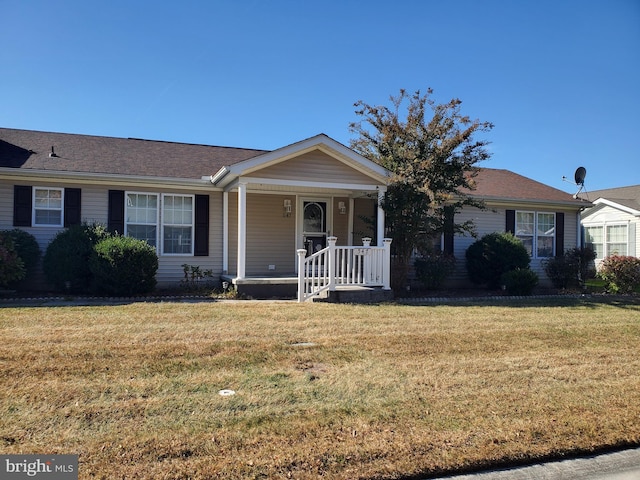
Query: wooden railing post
(301, 273)
(386, 277)
(332, 262)
(366, 260)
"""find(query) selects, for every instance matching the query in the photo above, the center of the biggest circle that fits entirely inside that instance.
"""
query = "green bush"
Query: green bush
(520, 281)
(495, 254)
(124, 266)
(66, 260)
(432, 270)
(11, 266)
(621, 273)
(571, 269)
(27, 248)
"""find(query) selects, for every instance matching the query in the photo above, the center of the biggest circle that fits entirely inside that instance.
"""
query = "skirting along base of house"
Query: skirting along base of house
(264, 287)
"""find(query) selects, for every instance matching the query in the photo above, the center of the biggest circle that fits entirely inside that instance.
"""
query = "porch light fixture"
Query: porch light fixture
(287, 208)
(342, 208)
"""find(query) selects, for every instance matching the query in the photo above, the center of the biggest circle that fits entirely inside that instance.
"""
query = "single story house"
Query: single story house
(255, 218)
(610, 225)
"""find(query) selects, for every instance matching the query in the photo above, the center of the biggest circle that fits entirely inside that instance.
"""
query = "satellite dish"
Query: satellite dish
(581, 172)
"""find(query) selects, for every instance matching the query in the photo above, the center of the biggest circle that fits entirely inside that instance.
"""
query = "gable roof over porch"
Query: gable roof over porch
(318, 162)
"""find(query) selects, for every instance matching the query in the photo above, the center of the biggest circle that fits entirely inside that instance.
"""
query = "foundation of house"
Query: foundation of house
(287, 287)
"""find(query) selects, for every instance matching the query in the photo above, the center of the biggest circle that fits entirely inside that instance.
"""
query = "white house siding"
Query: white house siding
(312, 167)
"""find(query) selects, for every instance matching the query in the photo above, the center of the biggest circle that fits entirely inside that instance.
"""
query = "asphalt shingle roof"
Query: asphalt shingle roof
(494, 183)
(30, 150)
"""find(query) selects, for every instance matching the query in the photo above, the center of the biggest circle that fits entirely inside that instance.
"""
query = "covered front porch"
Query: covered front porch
(309, 200)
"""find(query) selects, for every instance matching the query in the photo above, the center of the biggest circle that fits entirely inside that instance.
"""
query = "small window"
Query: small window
(177, 224)
(48, 206)
(617, 239)
(545, 238)
(594, 236)
(525, 228)
(141, 217)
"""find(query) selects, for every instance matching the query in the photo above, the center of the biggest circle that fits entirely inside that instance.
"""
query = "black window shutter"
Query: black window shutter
(22, 205)
(510, 222)
(559, 234)
(115, 219)
(447, 246)
(201, 234)
(72, 206)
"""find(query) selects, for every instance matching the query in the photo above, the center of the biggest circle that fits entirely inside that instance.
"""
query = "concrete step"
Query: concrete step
(357, 295)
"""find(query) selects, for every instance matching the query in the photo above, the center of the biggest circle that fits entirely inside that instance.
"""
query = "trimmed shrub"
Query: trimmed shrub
(66, 260)
(124, 266)
(27, 248)
(520, 281)
(621, 273)
(495, 254)
(433, 270)
(571, 269)
(11, 266)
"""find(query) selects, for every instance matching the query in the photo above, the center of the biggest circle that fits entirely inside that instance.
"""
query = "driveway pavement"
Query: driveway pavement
(622, 465)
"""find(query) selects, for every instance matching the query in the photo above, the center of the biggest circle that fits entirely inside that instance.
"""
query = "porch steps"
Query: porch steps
(363, 295)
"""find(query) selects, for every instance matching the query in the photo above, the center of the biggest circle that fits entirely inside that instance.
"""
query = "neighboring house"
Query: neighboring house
(610, 225)
(242, 213)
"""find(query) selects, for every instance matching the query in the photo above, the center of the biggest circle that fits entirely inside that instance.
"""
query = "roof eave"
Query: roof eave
(101, 178)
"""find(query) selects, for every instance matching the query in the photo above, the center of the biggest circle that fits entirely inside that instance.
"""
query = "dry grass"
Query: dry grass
(386, 392)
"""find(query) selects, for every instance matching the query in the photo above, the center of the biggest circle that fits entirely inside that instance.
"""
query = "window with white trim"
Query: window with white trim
(594, 236)
(617, 239)
(141, 216)
(537, 232)
(48, 206)
(608, 239)
(177, 224)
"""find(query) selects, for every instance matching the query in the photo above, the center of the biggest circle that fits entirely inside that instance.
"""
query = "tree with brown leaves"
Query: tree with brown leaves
(431, 151)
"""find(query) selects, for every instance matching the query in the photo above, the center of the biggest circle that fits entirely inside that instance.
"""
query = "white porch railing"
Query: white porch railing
(343, 266)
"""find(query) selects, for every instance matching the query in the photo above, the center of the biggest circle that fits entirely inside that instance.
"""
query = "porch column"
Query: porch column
(225, 232)
(380, 232)
(386, 276)
(242, 228)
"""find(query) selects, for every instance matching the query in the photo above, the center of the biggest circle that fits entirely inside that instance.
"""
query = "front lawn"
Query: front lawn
(338, 391)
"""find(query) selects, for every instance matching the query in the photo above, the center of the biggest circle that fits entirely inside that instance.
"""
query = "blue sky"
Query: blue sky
(559, 79)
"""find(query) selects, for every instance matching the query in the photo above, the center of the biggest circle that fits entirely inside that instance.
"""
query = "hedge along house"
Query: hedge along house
(545, 219)
(243, 214)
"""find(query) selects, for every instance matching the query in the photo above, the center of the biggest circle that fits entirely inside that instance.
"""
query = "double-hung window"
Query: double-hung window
(594, 236)
(48, 206)
(141, 217)
(617, 239)
(608, 239)
(537, 232)
(177, 224)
